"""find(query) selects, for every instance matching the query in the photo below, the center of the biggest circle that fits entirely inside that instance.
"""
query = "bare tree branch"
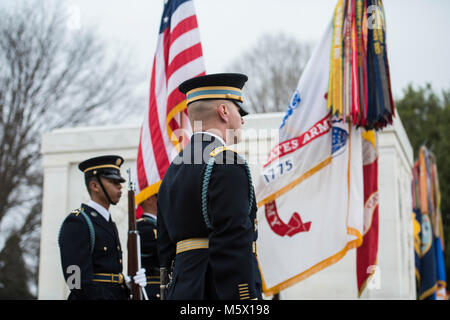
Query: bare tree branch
(50, 77)
(274, 65)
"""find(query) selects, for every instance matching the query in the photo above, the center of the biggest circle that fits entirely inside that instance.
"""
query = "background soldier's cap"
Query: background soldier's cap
(227, 86)
(105, 166)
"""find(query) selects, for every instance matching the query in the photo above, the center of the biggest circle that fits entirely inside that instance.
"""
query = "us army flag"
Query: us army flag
(310, 192)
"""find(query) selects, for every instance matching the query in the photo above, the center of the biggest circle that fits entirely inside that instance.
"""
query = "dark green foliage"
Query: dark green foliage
(14, 276)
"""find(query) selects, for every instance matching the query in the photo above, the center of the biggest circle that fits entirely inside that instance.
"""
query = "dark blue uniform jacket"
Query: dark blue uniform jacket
(74, 241)
(146, 226)
(228, 268)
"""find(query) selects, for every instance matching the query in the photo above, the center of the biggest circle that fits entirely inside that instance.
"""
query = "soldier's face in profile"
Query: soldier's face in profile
(234, 130)
(113, 187)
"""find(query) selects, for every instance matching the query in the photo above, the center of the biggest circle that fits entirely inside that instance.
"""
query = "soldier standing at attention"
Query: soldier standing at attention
(206, 202)
(146, 226)
(88, 239)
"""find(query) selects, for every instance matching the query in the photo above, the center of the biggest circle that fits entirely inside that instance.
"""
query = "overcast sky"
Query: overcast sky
(417, 30)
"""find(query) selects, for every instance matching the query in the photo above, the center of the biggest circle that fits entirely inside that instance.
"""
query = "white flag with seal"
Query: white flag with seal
(310, 191)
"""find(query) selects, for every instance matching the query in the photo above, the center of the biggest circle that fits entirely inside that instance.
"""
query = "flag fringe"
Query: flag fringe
(316, 268)
(147, 192)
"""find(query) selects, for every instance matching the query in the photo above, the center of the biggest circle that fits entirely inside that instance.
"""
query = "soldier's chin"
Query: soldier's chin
(116, 200)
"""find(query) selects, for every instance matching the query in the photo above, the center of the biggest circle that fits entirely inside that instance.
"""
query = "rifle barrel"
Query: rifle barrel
(133, 242)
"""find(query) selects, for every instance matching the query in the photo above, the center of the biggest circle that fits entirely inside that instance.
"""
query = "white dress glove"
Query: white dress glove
(140, 278)
(127, 281)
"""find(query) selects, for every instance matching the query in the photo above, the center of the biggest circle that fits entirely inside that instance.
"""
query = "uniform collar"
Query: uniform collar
(100, 209)
(151, 215)
(213, 135)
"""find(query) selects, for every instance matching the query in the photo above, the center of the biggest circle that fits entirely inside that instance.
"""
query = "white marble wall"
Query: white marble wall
(64, 191)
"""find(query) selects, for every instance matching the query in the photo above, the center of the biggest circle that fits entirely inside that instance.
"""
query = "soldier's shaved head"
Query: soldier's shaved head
(220, 117)
(204, 111)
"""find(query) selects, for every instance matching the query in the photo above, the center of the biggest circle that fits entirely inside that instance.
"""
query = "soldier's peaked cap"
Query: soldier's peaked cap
(105, 166)
(227, 86)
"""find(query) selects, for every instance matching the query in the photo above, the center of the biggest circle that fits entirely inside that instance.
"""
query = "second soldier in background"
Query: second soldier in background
(146, 226)
(89, 240)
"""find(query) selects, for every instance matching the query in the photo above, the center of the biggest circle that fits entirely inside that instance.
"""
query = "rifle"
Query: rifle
(164, 286)
(134, 254)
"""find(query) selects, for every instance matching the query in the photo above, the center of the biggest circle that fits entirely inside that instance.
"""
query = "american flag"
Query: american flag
(166, 128)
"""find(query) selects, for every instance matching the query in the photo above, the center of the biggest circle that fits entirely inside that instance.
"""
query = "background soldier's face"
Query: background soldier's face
(112, 187)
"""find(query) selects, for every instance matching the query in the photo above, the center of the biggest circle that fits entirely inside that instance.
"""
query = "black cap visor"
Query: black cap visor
(114, 177)
(112, 174)
(242, 111)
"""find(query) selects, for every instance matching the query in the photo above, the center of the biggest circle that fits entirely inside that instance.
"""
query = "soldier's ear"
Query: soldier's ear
(223, 111)
(93, 186)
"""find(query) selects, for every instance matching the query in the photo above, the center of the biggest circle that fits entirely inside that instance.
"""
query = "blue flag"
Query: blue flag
(428, 231)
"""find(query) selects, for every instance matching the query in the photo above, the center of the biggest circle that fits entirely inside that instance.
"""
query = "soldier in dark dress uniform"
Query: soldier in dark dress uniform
(146, 226)
(206, 202)
(88, 239)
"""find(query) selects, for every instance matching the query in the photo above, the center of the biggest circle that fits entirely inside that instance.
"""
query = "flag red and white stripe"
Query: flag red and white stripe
(166, 128)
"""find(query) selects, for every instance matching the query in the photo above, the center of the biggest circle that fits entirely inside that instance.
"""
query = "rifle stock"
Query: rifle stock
(134, 260)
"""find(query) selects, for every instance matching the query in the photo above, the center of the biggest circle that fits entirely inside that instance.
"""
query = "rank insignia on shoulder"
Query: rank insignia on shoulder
(220, 149)
(76, 211)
